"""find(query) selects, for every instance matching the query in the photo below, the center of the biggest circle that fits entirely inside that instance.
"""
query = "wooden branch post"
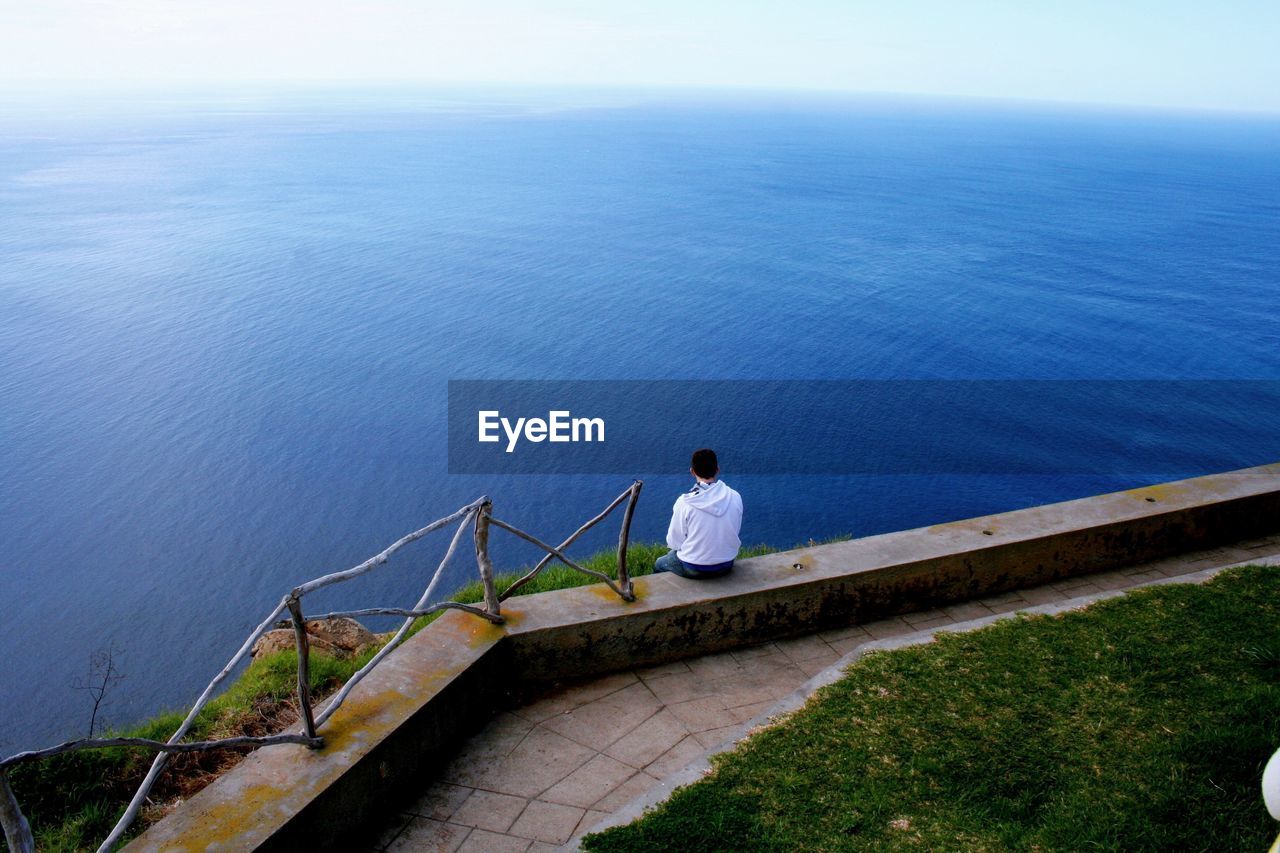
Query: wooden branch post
(335, 701)
(304, 667)
(563, 545)
(624, 534)
(17, 832)
(483, 563)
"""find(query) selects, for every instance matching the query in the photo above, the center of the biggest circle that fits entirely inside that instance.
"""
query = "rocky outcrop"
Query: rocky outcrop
(340, 637)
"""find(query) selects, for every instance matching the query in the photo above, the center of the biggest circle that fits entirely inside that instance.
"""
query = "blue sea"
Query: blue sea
(227, 322)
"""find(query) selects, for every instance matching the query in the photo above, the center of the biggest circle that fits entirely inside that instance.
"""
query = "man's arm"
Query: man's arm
(675, 530)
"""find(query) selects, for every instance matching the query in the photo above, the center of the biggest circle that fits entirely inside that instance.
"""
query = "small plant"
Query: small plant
(1265, 657)
(103, 675)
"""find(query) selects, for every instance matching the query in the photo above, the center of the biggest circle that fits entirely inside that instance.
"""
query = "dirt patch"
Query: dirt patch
(188, 773)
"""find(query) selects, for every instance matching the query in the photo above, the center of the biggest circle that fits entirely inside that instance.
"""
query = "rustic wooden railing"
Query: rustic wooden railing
(477, 515)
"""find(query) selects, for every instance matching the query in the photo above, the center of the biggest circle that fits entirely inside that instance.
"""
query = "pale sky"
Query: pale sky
(1220, 55)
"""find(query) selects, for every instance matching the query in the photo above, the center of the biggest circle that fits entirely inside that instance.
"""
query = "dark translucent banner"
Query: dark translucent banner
(635, 427)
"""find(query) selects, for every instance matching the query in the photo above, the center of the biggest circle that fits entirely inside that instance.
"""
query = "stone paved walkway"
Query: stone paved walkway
(549, 771)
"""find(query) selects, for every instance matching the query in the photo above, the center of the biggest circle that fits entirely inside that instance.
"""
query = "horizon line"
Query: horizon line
(84, 87)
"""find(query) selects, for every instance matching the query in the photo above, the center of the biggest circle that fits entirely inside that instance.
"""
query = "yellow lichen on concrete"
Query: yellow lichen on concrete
(471, 629)
(1159, 493)
(230, 824)
(363, 718)
(602, 591)
(362, 723)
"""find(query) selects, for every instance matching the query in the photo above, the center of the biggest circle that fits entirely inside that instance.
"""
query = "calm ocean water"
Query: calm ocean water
(228, 323)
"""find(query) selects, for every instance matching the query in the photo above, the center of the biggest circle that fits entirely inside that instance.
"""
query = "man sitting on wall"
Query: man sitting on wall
(703, 536)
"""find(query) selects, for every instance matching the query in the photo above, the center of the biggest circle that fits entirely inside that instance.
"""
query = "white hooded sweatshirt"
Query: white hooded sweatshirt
(705, 523)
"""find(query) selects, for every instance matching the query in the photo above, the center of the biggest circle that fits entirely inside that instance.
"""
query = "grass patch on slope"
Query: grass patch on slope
(1141, 723)
(73, 800)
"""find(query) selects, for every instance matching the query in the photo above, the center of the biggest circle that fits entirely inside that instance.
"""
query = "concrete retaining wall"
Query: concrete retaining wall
(413, 712)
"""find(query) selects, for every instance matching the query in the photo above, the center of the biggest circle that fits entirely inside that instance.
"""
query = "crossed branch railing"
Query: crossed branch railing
(477, 515)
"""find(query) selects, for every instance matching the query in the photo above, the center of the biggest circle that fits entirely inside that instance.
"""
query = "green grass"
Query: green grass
(72, 800)
(1141, 723)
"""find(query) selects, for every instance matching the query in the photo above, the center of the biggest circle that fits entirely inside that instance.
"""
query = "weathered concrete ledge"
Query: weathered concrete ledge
(413, 712)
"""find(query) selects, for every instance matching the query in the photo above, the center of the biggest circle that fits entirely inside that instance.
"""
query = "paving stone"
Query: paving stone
(941, 621)
(542, 759)
(1007, 606)
(843, 647)
(737, 692)
(1068, 584)
(483, 841)
(675, 758)
(680, 687)
(385, 829)
(1043, 595)
(783, 686)
(648, 672)
(497, 740)
(626, 792)
(1165, 563)
(590, 819)
(1112, 581)
(711, 667)
(917, 618)
(424, 834)
(489, 810)
(542, 847)
(649, 740)
(601, 722)
(807, 666)
(750, 712)
(714, 738)
(766, 669)
(1142, 577)
(810, 668)
(750, 652)
(805, 648)
(700, 715)
(1078, 588)
(589, 783)
(1001, 598)
(549, 822)
(774, 683)
(440, 801)
(966, 611)
(573, 696)
(840, 634)
(886, 628)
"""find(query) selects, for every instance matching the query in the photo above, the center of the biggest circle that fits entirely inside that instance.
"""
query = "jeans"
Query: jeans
(669, 562)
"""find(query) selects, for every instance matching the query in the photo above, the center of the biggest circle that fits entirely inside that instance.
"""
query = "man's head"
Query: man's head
(704, 465)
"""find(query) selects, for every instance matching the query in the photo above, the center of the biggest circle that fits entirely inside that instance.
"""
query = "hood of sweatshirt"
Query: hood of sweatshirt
(713, 498)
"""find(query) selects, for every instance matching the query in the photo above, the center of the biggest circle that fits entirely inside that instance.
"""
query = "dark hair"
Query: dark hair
(704, 463)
